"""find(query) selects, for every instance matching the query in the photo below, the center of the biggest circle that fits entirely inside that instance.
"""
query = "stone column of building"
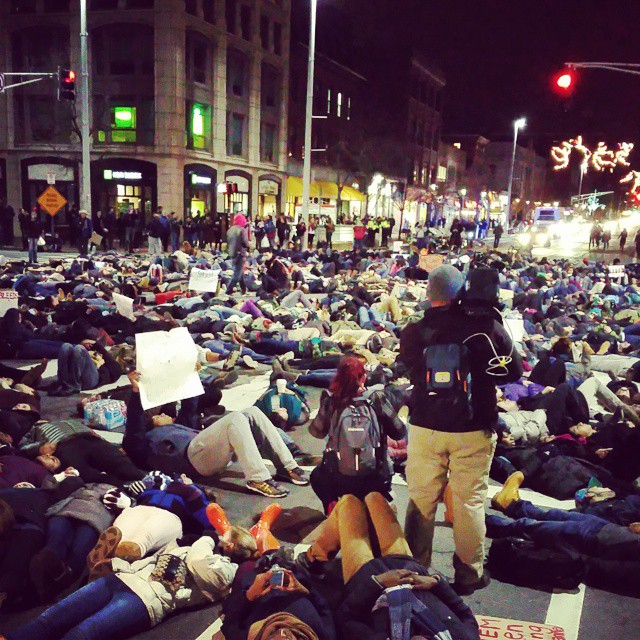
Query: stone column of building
(170, 102)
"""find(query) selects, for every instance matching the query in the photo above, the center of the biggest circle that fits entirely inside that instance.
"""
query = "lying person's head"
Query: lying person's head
(238, 544)
(161, 420)
(285, 626)
(49, 462)
(582, 430)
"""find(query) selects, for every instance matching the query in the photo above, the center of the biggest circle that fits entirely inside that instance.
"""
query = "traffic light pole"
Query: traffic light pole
(621, 67)
(35, 77)
(85, 196)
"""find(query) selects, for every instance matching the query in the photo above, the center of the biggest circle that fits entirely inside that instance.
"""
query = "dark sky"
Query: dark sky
(499, 57)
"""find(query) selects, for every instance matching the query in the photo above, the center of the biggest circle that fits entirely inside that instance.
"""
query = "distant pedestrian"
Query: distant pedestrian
(623, 240)
(85, 231)
(34, 231)
(606, 239)
(497, 234)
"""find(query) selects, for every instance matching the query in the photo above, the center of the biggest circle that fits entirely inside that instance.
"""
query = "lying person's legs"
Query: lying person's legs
(388, 530)
(76, 369)
(346, 529)
(144, 530)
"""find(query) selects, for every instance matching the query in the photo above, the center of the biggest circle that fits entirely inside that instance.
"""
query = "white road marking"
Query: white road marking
(565, 610)
(211, 630)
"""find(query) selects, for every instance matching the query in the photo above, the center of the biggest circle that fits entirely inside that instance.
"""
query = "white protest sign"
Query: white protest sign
(515, 328)
(203, 280)
(124, 306)
(8, 300)
(166, 361)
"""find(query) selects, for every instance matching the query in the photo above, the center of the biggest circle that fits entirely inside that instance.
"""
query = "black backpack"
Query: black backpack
(445, 385)
(526, 564)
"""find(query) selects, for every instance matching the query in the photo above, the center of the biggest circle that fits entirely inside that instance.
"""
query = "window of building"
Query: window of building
(196, 58)
(339, 105)
(35, 49)
(198, 125)
(191, 7)
(124, 120)
(349, 108)
(277, 38)
(264, 31)
(56, 6)
(40, 119)
(245, 21)
(231, 14)
(328, 100)
(209, 11)
(103, 5)
(123, 49)
(23, 6)
(140, 4)
(123, 124)
(236, 123)
(442, 173)
(270, 87)
(237, 79)
(267, 142)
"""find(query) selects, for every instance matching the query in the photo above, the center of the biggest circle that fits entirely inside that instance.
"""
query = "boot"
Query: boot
(218, 518)
(447, 498)
(509, 492)
(279, 372)
(261, 531)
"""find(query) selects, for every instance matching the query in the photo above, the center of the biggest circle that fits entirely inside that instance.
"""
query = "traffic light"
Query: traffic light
(66, 84)
(564, 82)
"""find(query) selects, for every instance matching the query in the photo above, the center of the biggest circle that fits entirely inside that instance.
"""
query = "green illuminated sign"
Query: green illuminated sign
(124, 117)
(197, 121)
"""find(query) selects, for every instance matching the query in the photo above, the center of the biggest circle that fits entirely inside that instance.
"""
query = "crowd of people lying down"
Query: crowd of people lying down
(116, 534)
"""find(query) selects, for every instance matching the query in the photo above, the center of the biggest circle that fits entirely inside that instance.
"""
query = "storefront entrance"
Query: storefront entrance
(199, 189)
(269, 196)
(124, 185)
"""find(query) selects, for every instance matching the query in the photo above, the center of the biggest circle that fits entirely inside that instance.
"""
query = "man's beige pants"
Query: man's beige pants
(461, 460)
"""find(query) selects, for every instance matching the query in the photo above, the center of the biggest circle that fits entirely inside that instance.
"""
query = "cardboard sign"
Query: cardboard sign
(95, 238)
(617, 272)
(503, 629)
(167, 361)
(124, 306)
(203, 280)
(515, 328)
(8, 300)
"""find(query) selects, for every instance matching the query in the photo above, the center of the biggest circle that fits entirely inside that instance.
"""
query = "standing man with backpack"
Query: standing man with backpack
(357, 424)
(455, 358)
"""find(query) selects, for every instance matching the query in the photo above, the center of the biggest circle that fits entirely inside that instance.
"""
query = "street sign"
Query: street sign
(51, 178)
(1, 82)
(52, 201)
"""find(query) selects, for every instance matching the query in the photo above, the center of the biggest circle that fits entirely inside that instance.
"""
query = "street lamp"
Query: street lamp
(517, 125)
(306, 168)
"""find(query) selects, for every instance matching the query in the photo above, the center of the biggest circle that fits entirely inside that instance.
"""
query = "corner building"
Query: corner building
(185, 95)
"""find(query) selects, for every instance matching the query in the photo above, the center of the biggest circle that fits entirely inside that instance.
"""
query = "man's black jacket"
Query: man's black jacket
(452, 325)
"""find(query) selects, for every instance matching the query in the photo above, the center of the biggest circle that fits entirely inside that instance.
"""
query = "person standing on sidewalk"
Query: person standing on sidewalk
(34, 231)
(238, 246)
(497, 234)
(451, 430)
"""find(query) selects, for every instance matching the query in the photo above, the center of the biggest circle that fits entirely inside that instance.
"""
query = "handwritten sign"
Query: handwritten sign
(166, 361)
(503, 629)
(8, 300)
(203, 280)
(124, 305)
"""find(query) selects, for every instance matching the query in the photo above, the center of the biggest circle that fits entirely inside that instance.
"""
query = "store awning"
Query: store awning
(322, 189)
(349, 193)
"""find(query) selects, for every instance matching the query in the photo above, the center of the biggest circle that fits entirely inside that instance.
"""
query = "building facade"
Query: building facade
(186, 95)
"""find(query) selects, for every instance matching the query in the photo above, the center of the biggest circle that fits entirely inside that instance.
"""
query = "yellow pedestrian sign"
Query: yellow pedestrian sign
(52, 201)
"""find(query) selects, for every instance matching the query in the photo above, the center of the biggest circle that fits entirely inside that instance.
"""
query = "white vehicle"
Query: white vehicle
(547, 226)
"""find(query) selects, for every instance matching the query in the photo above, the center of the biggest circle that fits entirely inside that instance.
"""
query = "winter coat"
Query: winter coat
(525, 427)
(208, 579)
(86, 505)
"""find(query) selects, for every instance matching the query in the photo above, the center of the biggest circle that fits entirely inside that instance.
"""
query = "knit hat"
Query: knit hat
(444, 283)
(240, 220)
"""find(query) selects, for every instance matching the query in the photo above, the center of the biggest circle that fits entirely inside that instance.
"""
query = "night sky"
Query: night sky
(499, 57)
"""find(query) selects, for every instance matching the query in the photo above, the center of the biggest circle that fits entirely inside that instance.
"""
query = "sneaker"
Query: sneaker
(231, 360)
(249, 362)
(268, 488)
(295, 476)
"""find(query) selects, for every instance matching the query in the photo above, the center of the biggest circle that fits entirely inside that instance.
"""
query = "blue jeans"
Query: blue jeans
(238, 268)
(275, 347)
(72, 540)
(225, 348)
(33, 249)
(76, 369)
(36, 349)
(564, 530)
(320, 378)
(104, 609)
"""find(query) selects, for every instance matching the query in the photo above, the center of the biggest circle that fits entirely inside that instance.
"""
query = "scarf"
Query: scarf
(264, 628)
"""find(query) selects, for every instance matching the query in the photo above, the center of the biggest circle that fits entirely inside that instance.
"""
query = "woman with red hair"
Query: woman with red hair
(345, 401)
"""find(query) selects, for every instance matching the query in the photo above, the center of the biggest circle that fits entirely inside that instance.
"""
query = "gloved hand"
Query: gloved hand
(116, 500)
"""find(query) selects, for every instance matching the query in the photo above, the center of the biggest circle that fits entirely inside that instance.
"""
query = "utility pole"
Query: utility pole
(306, 169)
(85, 192)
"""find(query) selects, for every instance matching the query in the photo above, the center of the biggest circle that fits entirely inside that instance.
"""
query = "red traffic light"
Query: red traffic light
(66, 84)
(564, 81)
(71, 76)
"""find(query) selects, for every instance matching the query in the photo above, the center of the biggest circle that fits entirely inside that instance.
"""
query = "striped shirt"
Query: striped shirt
(55, 432)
